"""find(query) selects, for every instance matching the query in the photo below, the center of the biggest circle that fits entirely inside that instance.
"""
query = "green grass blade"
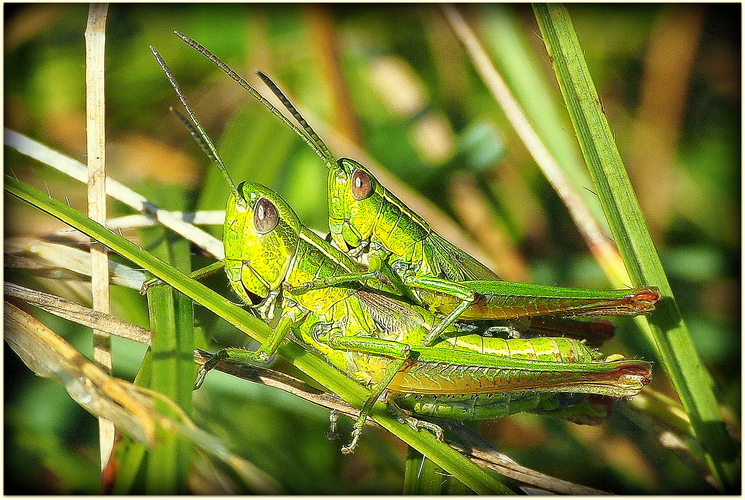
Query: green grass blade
(670, 334)
(507, 42)
(173, 370)
(128, 453)
(169, 461)
(476, 478)
(424, 477)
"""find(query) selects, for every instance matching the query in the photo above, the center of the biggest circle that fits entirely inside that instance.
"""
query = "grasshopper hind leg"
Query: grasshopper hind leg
(400, 415)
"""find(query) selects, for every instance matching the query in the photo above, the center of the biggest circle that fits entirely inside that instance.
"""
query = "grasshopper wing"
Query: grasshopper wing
(457, 265)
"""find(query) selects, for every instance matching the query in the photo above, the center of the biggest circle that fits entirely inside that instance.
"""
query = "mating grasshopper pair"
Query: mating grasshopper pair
(406, 326)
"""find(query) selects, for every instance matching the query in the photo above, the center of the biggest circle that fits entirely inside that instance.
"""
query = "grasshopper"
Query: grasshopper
(367, 219)
(381, 340)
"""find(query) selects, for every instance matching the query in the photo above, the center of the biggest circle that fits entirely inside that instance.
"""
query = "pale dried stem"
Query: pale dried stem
(76, 170)
(131, 407)
(95, 43)
(599, 244)
(490, 458)
(79, 314)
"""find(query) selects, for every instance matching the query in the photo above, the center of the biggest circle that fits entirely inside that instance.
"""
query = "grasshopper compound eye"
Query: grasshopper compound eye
(361, 185)
(265, 216)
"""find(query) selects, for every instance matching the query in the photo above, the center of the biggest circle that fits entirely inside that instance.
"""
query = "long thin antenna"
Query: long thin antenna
(307, 134)
(296, 114)
(198, 137)
(195, 128)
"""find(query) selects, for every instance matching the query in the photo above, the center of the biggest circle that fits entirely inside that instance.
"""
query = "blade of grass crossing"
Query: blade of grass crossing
(424, 477)
(173, 369)
(167, 462)
(129, 454)
(671, 338)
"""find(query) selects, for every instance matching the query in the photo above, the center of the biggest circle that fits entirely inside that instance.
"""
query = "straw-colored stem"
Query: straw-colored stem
(95, 42)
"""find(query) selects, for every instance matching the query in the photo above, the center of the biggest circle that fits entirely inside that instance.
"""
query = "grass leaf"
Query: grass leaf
(670, 334)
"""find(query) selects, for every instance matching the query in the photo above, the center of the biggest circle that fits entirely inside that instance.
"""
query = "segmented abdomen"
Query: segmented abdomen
(471, 364)
(539, 348)
(578, 408)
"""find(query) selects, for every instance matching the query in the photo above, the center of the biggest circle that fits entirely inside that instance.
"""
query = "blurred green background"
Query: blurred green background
(392, 81)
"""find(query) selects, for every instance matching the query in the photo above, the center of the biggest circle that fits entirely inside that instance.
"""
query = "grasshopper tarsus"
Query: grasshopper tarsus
(418, 425)
(356, 433)
(207, 366)
(201, 374)
(333, 434)
(146, 285)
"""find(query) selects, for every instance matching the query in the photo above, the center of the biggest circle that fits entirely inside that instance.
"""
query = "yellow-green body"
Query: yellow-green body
(366, 333)
(370, 332)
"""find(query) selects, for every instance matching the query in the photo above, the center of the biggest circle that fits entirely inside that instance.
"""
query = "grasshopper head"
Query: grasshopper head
(355, 197)
(261, 234)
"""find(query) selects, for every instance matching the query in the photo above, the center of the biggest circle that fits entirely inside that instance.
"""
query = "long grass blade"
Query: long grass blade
(670, 334)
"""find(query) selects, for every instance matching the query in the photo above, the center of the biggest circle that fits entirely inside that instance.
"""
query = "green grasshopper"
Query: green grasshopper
(381, 341)
(366, 218)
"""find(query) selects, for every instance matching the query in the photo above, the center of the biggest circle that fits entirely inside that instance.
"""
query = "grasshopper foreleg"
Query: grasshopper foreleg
(445, 287)
(378, 269)
(261, 355)
(377, 260)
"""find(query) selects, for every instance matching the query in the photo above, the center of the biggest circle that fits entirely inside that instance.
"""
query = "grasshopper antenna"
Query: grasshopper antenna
(307, 134)
(194, 127)
(320, 145)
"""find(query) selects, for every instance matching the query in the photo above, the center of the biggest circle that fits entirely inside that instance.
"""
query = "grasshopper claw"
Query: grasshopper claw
(209, 365)
(356, 433)
(149, 283)
(422, 424)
